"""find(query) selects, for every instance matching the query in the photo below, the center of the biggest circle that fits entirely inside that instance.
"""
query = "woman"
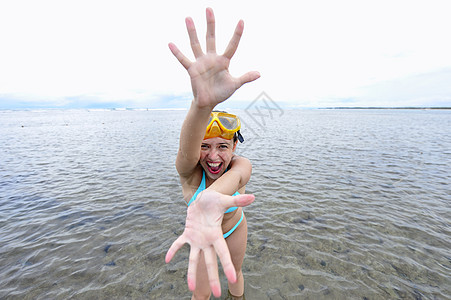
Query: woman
(209, 170)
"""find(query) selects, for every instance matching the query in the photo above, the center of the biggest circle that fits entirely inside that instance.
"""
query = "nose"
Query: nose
(213, 154)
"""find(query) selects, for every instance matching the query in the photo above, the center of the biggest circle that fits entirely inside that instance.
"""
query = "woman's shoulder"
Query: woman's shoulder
(240, 161)
(243, 167)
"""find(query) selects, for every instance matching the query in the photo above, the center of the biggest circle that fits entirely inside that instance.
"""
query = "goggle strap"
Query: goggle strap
(240, 137)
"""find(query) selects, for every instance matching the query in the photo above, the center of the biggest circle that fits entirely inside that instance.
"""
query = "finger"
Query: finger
(248, 77)
(212, 269)
(192, 268)
(186, 63)
(211, 42)
(226, 261)
(195, 45)
(176, 245)
(233, 44)
(240, 200)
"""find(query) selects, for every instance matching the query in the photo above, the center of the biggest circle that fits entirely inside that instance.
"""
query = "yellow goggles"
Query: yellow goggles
(223, 125)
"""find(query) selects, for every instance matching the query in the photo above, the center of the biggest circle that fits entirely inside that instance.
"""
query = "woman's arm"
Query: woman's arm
(235, 178)
(211, 83)
(191, 136)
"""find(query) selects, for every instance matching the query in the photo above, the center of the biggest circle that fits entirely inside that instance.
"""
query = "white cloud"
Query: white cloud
(309, 54)
(414, 90)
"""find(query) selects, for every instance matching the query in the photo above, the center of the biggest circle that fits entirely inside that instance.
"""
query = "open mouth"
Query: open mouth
(214, 167)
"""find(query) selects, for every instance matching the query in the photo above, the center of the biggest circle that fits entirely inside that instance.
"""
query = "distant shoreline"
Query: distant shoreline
(408, 107)
(184, 109)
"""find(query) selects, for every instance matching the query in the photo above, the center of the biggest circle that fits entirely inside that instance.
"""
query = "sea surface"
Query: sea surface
(350, 204)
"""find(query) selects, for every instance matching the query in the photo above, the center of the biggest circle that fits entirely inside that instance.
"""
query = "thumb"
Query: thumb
(240, 200)
(248, 77)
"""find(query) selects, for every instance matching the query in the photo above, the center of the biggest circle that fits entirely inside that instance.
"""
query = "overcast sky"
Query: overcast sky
(309, 53)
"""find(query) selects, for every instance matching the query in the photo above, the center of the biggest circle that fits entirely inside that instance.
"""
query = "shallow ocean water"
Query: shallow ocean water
(349, 204)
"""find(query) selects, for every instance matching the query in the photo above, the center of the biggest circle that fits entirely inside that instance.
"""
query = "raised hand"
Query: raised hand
(203, 233)
(210, 78)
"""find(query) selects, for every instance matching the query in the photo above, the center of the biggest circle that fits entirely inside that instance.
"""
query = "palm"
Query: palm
(204, 234)
(204, 219)
(210, 78)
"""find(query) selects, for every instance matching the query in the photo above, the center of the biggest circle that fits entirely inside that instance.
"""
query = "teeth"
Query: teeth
(214, 165)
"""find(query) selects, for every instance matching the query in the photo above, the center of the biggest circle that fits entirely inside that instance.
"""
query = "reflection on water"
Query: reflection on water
(349, 204)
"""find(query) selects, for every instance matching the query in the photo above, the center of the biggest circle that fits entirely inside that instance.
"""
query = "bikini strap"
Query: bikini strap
(199, 189)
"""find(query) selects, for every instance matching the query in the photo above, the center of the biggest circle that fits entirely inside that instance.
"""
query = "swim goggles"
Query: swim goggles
(223, 125)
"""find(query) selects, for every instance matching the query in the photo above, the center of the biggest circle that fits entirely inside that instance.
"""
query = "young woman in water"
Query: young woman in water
(210, 172)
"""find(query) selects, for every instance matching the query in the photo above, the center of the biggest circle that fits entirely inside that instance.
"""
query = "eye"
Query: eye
(204, 147)
(222, 146)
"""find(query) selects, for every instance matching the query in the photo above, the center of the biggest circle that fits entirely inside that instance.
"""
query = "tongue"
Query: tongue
(215, 169)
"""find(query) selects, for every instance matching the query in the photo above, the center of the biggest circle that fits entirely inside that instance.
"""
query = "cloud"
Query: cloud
(310, 54)
(426, 89)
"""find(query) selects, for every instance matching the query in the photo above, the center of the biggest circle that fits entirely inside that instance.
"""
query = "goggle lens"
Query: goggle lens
(228, 122)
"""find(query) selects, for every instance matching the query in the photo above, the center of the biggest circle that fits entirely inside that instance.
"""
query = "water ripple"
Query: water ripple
(350, 204)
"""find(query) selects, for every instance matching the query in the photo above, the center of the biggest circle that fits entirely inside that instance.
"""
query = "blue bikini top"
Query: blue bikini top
(202, 187)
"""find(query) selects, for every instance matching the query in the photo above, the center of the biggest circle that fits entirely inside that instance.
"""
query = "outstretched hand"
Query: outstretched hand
(203, 233)
(210, 78)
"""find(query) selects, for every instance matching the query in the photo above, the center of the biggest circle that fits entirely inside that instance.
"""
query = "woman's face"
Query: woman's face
(215, 155)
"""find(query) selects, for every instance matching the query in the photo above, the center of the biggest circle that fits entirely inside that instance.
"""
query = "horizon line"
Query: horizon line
(185, 108)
